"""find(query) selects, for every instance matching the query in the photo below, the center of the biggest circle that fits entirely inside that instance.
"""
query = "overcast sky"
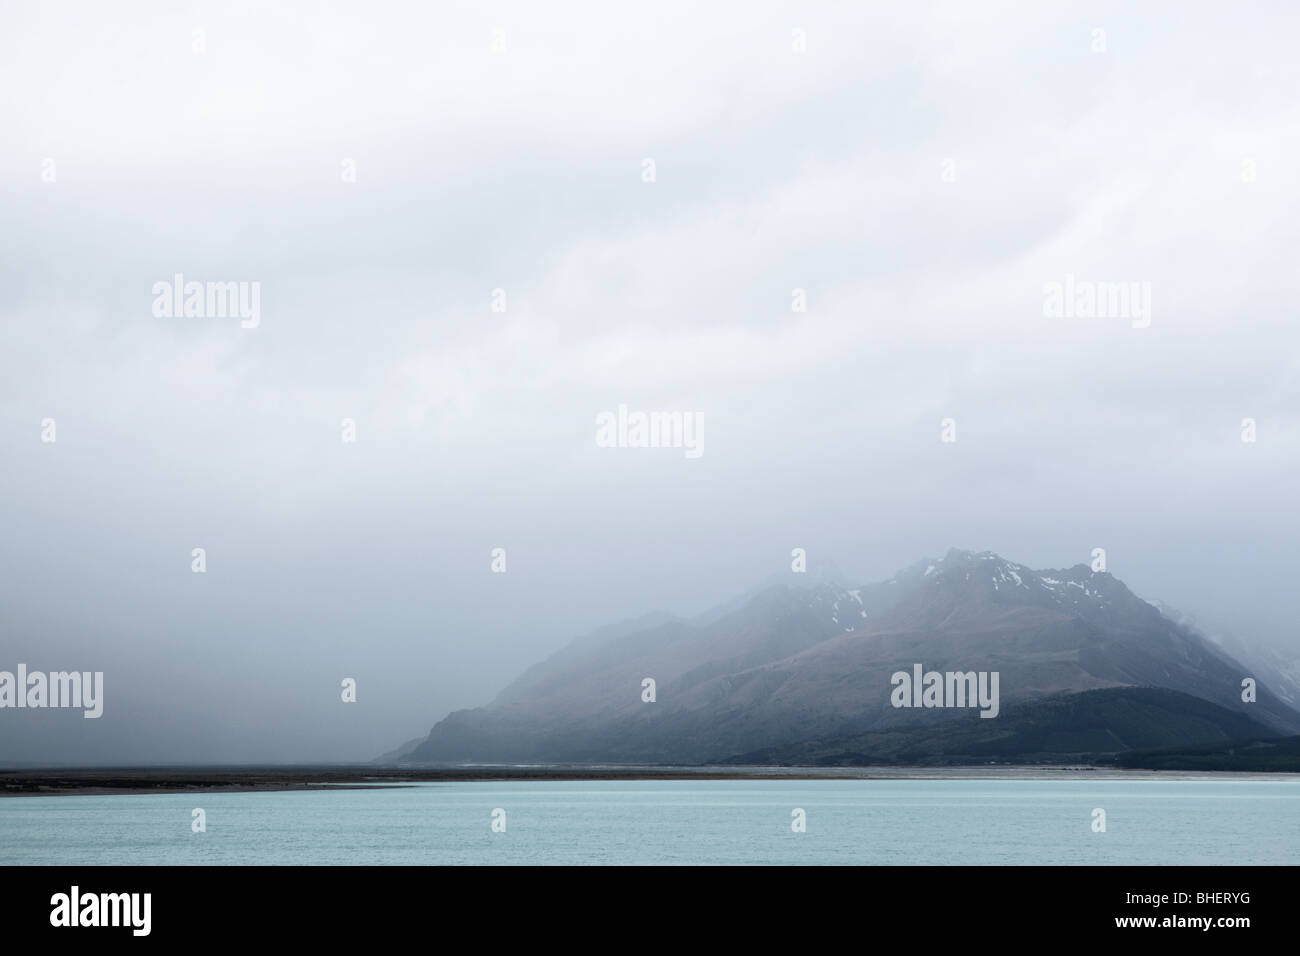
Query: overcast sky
(921, 171)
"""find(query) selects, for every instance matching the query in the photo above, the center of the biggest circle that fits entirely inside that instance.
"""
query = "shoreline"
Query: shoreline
(20, 782)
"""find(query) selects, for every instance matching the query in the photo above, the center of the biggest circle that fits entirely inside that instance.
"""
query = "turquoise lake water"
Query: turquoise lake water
(676, 822)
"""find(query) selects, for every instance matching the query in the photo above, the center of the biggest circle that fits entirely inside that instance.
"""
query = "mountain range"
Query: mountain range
(801, 674)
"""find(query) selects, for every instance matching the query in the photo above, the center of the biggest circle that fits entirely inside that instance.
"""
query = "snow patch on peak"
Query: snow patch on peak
(1006, 573)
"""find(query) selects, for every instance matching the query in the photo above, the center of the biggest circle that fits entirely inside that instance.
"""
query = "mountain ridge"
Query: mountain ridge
(794, 663)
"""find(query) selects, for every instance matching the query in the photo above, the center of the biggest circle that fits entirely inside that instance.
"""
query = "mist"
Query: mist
(461, 250)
